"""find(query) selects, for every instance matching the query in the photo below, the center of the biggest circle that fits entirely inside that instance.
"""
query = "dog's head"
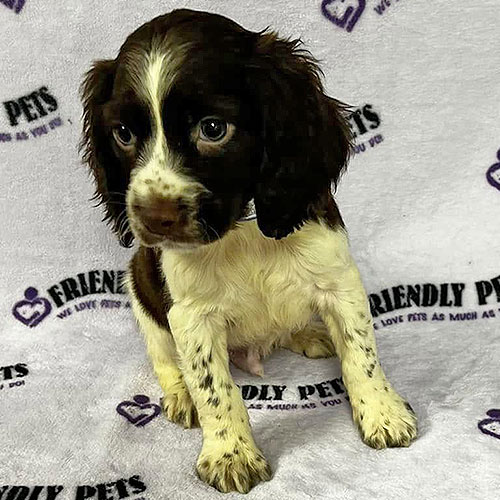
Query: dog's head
(197, 116)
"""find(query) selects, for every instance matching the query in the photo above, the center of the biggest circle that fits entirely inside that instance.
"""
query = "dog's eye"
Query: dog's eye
(212, 129)
(211, 134)
(124, 137)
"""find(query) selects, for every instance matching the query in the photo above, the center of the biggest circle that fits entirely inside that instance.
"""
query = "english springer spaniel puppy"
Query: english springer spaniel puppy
(196, 120)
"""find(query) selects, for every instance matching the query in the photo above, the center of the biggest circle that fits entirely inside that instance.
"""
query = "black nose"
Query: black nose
(158, 215)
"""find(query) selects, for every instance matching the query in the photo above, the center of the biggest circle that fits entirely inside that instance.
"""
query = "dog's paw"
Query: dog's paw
(314, 341)
(385, 419)
(179, 408)
(235, 468)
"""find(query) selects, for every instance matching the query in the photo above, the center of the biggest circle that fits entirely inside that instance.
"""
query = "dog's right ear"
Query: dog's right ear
(111, 181)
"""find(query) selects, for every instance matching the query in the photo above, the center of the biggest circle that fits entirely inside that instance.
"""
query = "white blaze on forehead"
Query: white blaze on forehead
(158, 170)
(160, 73)
(153, 73)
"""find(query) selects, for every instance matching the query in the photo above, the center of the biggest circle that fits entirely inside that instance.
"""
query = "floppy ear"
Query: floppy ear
(307, 139)
(111, 178)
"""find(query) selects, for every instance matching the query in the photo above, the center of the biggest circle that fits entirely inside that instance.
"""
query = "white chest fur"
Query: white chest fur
(263, 287)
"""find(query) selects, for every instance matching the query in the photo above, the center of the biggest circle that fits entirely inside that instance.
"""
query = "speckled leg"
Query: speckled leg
(229, 459)
(383, 417)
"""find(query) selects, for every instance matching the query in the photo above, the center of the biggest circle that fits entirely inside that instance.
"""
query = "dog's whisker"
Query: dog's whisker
(118, 193)
(121, 221)
(205, 226)
(124, 223)
(115, 202)
(216, 233)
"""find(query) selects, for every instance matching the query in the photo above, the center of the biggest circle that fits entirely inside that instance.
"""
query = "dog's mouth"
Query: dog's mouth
(169, 238)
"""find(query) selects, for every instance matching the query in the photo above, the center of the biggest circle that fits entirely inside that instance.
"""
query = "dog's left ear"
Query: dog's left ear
(306, 135)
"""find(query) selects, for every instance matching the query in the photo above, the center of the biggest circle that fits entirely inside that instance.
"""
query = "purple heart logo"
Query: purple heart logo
(343, 13)
(140, 411)
(491, 426)
(33, 309)
(493, 173)
(16, 7)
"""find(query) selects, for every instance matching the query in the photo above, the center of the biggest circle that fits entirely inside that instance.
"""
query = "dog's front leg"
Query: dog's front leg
(383, 417)
(229, 459)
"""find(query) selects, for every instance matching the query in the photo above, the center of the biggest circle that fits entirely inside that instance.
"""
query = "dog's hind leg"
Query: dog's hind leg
(313, 341)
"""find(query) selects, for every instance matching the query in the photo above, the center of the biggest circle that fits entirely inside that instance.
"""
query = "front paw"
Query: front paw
(385, 419)
(234, 468)
(179, 408)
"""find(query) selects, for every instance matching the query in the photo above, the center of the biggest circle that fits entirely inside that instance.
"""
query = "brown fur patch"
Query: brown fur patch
(149, 285)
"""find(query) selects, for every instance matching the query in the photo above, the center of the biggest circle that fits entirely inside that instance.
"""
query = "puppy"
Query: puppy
(195, 120)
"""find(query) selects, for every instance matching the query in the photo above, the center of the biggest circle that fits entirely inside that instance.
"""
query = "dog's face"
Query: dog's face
(196, 117)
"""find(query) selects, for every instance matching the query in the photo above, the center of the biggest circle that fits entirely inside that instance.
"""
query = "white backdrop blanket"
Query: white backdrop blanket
(79, 414)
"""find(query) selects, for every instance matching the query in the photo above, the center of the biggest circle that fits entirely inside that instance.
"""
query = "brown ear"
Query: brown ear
(306, 134)
(110, 178)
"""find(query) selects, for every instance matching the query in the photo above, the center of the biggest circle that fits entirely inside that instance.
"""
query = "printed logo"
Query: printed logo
(493, 173)
(15, 5)
(363, 121)
(346, 13)
(491, 426)
(9, 374)
(122, 488)
(324, 394)
(33, 309)
(427, 295)
(343, 13)
(29, 108)
(380, 9)
(140, 411)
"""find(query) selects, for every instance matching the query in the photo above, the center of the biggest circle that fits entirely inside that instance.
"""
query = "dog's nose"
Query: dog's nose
(159, 215)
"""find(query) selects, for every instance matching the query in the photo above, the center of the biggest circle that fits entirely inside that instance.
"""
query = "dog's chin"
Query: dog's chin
(179, 242)
(179, 245)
